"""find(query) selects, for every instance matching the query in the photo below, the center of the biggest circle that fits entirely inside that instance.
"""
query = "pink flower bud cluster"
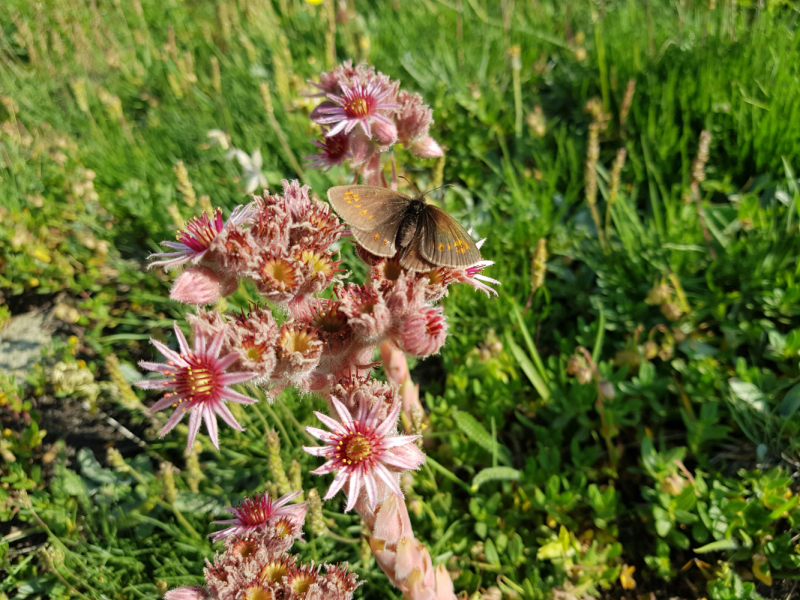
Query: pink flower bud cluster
(364, 114)
(256, 563)
(280, 242)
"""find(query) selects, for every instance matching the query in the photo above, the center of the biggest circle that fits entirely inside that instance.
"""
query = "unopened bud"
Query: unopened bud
(427, 147)
(200, 285)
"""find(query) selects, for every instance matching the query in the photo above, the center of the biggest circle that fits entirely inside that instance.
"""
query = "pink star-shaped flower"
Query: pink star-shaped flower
(259, 512)
(197, 383)
(360, 450)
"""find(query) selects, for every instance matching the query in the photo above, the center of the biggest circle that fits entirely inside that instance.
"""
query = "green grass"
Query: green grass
(536, 482)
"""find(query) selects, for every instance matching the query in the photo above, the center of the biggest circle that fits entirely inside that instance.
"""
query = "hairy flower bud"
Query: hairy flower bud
(424, 333)
(202, 285)
(426, 148)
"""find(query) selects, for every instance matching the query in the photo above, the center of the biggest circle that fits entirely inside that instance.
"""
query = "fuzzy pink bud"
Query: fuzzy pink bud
(202, 285)
(391, 523)
(409, 557)
(384, 132)
(426, 148)
(194, 592)
(444, 584)
(424, 333)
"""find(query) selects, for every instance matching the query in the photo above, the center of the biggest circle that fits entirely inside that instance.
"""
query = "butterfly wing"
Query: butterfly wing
(410, 257)
(380, 240)
(366, 206)
(445, 242)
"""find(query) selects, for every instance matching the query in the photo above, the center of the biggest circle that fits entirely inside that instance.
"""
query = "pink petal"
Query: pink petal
(181, 339)
(173, 420)
(365, 126)
(227, 416)
(285, 499)
(165, 403)
(371, 418)
(228, 394)
(324, 469)
(334, 426)
(154, 384)
(170, 354)
(234, 378)
(199, 341)
(389, 422)
(388, 478)
(227, 361)
(194, 425)
(158, 367)
(399, 440)
(372, 489)
(318, 450)
(341, 409)
(211, 424)
(404, 457)
(336, 485)
(353, 490)
(336, 128)
(320, 434)
(216, 345)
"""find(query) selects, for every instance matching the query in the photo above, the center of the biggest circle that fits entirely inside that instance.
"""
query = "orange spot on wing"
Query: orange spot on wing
(376, 237)
(363, 212)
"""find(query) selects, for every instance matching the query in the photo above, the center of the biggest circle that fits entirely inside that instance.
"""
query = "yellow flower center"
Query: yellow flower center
(273, 572)
(320, 265)
(278, 273)
(358, 107)
(257, 592)
(297, 341)
(301, 582)
(356, 449)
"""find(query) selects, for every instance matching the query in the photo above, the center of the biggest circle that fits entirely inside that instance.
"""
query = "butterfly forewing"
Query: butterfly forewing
(445, 242)
(365, 206)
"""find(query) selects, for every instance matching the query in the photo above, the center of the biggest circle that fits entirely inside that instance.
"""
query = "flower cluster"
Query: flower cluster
(365, 113)
(325, 342)
(256, 563)
(281, 243)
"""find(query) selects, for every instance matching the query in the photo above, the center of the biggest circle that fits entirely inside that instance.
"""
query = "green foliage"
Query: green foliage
(641, 412)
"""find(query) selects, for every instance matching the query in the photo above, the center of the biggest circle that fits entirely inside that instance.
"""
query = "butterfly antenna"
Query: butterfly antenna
(411, 184)
(438, 188)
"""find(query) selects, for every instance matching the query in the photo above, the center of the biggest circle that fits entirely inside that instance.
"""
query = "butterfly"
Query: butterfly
(387, 223)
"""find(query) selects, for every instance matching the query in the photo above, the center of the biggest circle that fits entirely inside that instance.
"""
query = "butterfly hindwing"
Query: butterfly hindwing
(446, 243)
(410, 257)
(365, 206)
(380, 240)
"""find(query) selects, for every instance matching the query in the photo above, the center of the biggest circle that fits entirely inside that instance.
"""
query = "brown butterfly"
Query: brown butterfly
(388, 223)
